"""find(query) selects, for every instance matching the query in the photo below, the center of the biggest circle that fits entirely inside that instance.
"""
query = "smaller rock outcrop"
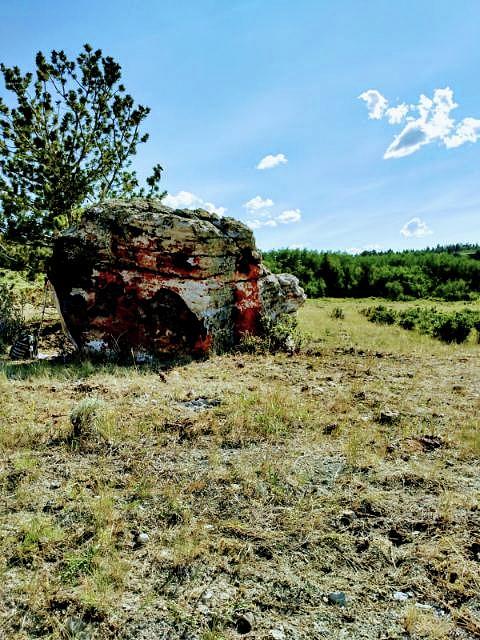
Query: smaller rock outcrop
(136, 276)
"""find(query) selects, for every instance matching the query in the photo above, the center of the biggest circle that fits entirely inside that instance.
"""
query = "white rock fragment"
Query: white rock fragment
(142, 538)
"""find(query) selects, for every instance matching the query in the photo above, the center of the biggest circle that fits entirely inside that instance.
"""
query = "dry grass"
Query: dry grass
(351, 467)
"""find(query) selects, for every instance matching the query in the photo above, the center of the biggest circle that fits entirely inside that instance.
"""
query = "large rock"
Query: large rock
(136, 276)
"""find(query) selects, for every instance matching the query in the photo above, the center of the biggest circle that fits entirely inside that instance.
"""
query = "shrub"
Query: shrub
(419, 318)
(454, 327)
(337, 313)
(477, 328)
(88, 419)
(408, 319)
(11, 316)
(380, 314)
(449, 327)
(250, 343)
(275, 334)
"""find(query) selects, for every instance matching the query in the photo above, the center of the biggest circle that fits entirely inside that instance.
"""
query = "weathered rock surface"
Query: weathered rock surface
(139, 276)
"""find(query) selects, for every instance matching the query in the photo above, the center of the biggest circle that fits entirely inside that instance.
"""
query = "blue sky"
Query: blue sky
(230, 82)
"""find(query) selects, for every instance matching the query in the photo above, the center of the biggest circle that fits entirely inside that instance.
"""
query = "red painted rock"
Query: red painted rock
(136, 276)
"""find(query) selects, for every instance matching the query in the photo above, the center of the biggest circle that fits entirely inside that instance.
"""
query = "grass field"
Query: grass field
(241, 496)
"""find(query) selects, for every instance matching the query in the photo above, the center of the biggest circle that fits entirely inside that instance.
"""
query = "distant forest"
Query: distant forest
(446, 273)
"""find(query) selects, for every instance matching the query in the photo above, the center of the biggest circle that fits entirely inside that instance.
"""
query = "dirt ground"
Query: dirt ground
(333, 493)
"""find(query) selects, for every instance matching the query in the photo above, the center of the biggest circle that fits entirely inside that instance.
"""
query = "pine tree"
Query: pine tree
(67, 140)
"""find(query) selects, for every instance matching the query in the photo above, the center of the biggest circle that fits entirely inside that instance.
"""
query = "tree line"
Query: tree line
(447, 273)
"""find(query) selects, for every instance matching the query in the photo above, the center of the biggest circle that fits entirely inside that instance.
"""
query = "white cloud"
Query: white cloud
(270, 161)
(257, 203)
(187, 200)
(432, 122)
(409, 140)
(265, 218)
(209, 206)
(183, 199)
(376, 103)
(289, 216)
(257, 224)
(415, 228)
(395, 115)
(468, 130)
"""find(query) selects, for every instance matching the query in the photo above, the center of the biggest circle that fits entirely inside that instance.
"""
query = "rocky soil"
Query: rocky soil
(328, 494)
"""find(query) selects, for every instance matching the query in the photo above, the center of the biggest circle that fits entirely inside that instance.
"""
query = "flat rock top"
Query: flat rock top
(152, 217)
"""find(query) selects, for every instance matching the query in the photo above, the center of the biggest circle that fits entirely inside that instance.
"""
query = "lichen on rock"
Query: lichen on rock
(137, 276)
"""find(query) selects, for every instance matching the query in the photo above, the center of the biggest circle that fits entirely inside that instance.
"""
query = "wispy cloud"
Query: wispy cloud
(376, 103)
(270, 161)
(188, 200)
(415, 228)
(289, 216)
(257, 224)
(426, 122)
(467, 131)
(397, 114)
(257, 203)
(267, 219)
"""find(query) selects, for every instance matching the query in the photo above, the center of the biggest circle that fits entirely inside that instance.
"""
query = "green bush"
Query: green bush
(453, 327)
(90, 422)
(278, 334)
(11, 316)
(337, 313)
(448, 327)
(408, 319)
(380, 314)
(419, 318)
(477, 328)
